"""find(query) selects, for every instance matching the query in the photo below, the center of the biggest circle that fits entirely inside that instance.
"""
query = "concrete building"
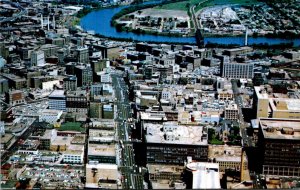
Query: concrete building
(47, 139)
(279, 142)
(95, 110)
(102, 153)
(225, 94)
(70, 83)
(37, 58)
(83, 55)
(50, 85)
(228, 157)
(171, 143)
(84, 75)
(77, 101)
(202, 175)
(231, 112)
(15, 97)
(57, 100)
(237, 51)
(15, 82)
(50, 116)
(164, 176)
(74, 154)
(102, 176)
(237, 70)
(267, 104)
(3, 86)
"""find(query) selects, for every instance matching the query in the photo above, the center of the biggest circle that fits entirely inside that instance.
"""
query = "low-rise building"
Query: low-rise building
(74, 154)
(50, 116)
(57, 100)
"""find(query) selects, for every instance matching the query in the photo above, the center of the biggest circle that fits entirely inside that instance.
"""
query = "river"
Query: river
(99, 22)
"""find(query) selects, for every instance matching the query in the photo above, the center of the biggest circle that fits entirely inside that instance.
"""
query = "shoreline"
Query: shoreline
(188, 36)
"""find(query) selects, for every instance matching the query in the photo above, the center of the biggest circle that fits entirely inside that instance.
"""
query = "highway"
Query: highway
(132, 174)
(246, 140)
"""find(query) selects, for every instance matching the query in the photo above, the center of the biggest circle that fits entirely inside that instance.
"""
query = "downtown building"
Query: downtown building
(279, 143)
(77, 101)
(171, 144)
(267, 104)
(236, 70)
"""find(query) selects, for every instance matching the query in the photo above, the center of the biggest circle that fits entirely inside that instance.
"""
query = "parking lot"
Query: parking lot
(63, 177)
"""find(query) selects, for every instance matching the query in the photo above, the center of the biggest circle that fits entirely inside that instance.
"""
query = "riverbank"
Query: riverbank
(105, 29)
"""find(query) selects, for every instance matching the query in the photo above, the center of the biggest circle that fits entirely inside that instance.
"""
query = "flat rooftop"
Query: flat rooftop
(284, 104)
(102, 150)
(75, 149)
(225, 153)
(57, 93)
(172, 133)
(284, 129)
(102, 172)
(101, 135)
(157, 168)
(62, 140)
(108, 124)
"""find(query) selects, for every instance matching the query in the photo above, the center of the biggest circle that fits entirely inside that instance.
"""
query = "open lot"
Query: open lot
(164, 13)
(184, 5)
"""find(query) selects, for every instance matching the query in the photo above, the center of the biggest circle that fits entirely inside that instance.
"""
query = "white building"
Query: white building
(205, 175)
(74, 154)
(166, 95)
(57, 100)
(50, 116)
(237, 70)
(37, 58)
(49, 85)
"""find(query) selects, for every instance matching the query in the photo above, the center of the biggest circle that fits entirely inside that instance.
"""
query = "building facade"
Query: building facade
(279, 143)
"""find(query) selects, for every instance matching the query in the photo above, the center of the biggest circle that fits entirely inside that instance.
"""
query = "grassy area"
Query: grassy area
(184, 5)
(225, 2)
(75, 21)
(216, 142)
(71, 126)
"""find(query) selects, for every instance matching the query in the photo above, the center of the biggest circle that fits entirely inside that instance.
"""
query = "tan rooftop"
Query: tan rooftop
(102, 150)
(280, 128)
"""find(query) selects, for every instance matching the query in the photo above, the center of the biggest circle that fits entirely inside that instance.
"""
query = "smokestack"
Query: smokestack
(246, 37)
(53, 22)
(48, 23)
(42, 22)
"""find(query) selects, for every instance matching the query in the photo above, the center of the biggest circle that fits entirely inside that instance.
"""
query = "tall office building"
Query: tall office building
(279, 143)
(84, 75)
(236, 70)
(3, 85)
(82, 55)
(231, 112)
(171, 143)
(77, 101)
(98, 66)
(70, 83)
(37, 58)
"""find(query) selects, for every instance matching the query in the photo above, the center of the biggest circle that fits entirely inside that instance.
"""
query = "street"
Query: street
(132, 178)
(246, 140)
